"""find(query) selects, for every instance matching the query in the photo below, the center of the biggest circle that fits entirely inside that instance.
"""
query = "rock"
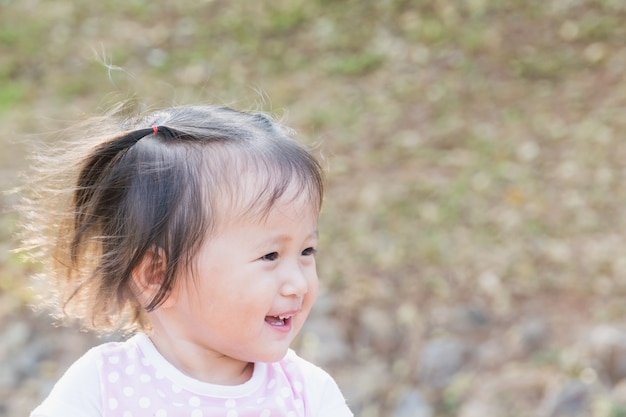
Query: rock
(618, 393)
(514, 390)
(14, 337)
(533, 333)
(378, 330)
(440, 360)
(569, 400)
(478, 409)
(468, 321)
(492, 354)
(362, 384)
(323, 341)
(608, 353)
(412, 404)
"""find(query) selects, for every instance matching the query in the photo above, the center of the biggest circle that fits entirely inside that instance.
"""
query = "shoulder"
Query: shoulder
(292, 360)
(294, 364)
(78, 391)
(320, 390)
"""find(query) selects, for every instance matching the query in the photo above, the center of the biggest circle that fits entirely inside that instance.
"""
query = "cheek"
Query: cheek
(308, 302)
(313, 289)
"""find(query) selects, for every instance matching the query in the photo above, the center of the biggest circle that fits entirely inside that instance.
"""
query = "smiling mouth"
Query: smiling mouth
(278, 321)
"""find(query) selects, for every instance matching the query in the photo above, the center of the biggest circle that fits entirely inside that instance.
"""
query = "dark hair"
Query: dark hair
(163, 190)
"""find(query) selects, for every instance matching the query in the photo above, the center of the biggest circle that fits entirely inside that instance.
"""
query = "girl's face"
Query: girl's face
(254, 284)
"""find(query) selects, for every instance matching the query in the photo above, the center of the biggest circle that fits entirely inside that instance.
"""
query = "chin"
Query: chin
(274, 356)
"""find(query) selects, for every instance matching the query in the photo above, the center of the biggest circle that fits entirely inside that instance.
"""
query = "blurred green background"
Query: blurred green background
(473, 250)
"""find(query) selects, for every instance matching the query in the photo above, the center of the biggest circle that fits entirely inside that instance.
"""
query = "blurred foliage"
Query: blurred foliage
(475, 148)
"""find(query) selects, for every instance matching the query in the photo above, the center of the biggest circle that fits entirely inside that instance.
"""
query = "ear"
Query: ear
(148, 278)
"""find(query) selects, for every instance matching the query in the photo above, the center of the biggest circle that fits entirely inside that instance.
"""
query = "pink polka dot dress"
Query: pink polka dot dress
(132, 379)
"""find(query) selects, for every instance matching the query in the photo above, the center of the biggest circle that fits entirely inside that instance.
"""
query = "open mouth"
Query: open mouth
(278, 321)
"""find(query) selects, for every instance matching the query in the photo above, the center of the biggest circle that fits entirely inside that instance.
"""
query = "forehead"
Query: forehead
(251, 192)
(256, 198)
(251, 181)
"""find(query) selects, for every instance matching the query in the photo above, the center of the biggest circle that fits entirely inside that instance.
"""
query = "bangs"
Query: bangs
(250, 182)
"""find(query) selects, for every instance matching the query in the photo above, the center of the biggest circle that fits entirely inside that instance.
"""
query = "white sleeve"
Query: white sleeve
(330, 401)
(324, 398)
(76, 393)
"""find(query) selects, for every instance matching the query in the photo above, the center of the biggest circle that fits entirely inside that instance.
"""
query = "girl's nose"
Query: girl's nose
(295, 282)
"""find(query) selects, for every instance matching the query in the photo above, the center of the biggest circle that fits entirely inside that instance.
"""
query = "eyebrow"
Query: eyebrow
(281, 237)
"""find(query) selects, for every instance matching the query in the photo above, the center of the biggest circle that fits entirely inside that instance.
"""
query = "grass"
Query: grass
(474, 148)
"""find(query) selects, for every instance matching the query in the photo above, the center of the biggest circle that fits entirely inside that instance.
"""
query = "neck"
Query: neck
(199, 362)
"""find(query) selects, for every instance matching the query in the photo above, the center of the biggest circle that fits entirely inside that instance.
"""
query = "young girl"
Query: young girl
(195, 228)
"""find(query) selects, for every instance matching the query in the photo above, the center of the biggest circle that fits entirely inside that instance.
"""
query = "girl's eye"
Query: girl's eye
(309, 252)
(270, 256)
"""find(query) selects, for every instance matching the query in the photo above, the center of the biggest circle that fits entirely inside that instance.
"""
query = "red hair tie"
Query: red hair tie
(155, 129)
